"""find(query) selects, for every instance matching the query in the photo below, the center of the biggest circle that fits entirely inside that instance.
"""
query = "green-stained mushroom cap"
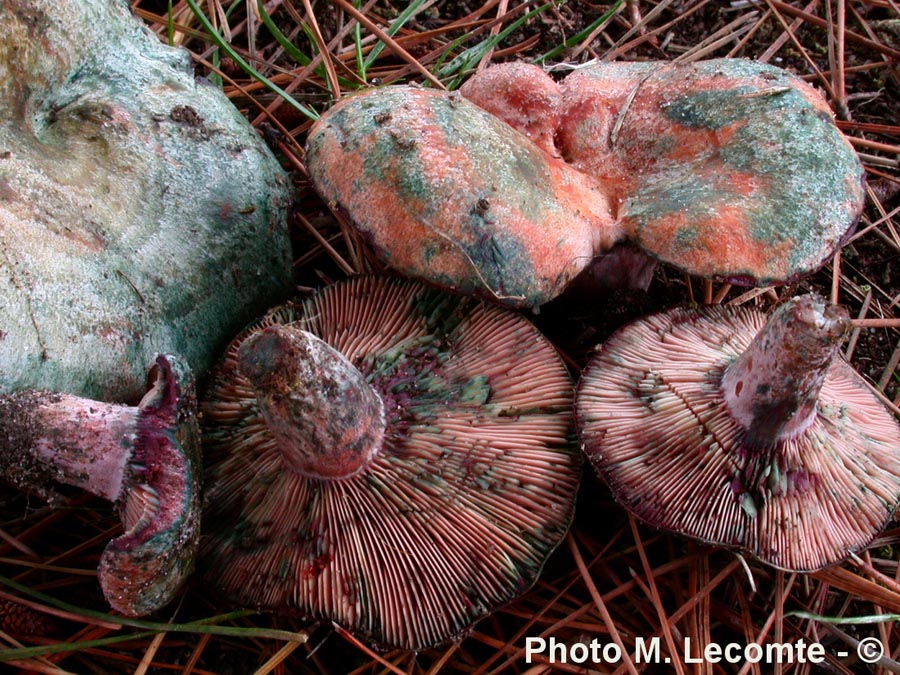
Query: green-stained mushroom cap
(389, 457)
(139, 211)
(145, 459)
(731, 169)
(744, 431)
(447, 192)
(726, 169)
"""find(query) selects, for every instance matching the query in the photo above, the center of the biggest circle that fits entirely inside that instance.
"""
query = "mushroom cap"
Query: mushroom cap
(731, 169)
(653, 421)
(726, 168)
(593, 98)
(471, 491)
(139, 211)
(522, 95)
(142, 569)
(447, 192)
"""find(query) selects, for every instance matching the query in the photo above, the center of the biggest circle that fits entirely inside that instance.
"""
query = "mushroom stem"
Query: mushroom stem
(771, 389)
(141, 457)
(78, 441)
(328, 421)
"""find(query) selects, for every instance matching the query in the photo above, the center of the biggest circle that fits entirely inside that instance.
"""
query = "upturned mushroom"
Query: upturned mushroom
(728, 169)
(139, 211)
(388, 457)
(144, 458)
(743, 431)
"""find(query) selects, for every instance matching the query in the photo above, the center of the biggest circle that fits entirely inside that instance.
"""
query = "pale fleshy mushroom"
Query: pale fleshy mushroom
(720, 424)
(727, 169)
(140, 213)
(144, 458)
(388, 457)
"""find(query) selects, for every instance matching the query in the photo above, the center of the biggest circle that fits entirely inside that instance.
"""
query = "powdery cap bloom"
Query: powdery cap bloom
(389, 457)
(456, 196)
(727, 169)
(139, 211)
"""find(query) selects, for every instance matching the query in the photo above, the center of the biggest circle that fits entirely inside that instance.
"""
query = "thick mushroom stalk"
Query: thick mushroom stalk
(743, 430)
(772, 388)
(327, 420)
(144, 458)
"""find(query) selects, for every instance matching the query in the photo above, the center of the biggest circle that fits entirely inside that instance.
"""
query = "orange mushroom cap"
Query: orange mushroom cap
(447, 192)
(727, 169)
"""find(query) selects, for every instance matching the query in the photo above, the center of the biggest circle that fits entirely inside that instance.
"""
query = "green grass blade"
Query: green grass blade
(575, 39)
(289, 47)
(361, 67)
(170, 25)
(838, 620)
(250, 70)
(458, 67)
(392, 30)
(22, 653)
(204, 626)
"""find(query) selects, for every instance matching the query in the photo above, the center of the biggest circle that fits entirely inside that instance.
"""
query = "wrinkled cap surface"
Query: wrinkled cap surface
(472, 489)
(653, 422)
(139, 211)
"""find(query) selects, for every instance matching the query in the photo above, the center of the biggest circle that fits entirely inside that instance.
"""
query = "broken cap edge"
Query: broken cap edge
(142, 569)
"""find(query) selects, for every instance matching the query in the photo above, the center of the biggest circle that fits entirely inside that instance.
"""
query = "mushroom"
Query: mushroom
(725, 426)
(455, 196)
(523, 96)
(139, 211)
(388, 457)
(727, 169)
(144, 458)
